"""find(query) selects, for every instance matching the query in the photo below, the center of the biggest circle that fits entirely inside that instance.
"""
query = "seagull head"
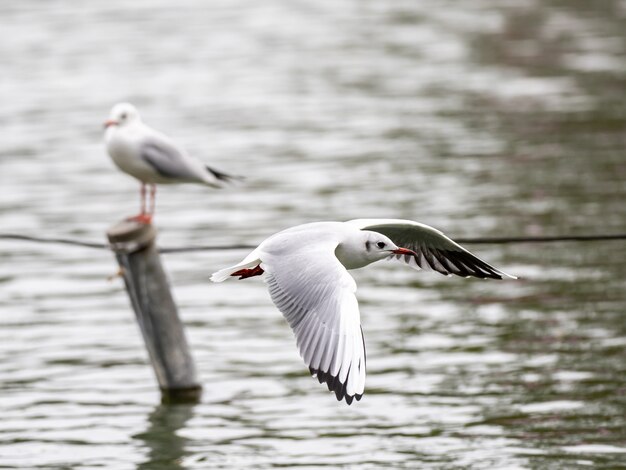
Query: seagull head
(122, 114)
(368, 247)
(380, 246)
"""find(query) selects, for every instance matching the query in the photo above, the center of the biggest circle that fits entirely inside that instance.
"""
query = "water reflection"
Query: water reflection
(482, 118)
(166, 448)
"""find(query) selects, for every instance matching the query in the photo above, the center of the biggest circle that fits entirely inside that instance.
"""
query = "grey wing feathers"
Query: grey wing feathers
(168, 161)
(434, 249)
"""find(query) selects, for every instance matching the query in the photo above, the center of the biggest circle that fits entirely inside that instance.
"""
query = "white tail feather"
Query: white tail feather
(223, 274)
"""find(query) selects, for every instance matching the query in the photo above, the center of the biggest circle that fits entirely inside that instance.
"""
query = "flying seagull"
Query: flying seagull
(152, 157)
(305, 268)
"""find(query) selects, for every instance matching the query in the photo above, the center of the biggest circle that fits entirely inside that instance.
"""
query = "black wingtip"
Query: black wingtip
(224, 176)
(334, 385)
(481, 268)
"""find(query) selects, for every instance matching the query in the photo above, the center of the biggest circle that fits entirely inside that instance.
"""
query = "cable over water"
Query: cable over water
(185, 249)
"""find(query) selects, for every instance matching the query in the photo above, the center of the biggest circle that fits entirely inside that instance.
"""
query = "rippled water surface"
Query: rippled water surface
(482, 118)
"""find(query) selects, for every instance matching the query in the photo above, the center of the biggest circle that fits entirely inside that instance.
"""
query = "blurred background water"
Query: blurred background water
(481, 118)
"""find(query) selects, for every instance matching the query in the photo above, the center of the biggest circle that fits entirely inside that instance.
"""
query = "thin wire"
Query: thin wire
(186, 249)
(105, 246)
(62, 241)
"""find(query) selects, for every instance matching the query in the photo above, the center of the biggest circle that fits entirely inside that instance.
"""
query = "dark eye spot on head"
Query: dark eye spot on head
(123, 115)
(367, 245)
(380, 245)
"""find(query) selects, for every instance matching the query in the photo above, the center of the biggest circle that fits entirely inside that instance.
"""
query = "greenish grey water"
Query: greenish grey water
(482, 118)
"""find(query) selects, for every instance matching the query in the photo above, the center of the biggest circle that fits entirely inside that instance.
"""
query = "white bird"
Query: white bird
(152, 157)
(306, 266)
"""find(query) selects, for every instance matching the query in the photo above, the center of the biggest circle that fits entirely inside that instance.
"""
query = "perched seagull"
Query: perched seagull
(306, 266)
(152, 157)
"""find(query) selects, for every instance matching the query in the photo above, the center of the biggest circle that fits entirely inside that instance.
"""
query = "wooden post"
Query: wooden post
(146, 283)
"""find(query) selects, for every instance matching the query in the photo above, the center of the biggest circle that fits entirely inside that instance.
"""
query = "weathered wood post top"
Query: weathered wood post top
(134, 245)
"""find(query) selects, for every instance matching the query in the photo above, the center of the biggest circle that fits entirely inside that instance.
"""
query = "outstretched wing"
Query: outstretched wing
(434, 250)
(315, 293)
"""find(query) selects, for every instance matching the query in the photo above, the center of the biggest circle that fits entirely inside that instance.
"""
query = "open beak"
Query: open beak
(404, 251)
(110, 122)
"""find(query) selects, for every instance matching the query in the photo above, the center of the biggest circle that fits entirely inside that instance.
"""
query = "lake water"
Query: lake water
(481, 118)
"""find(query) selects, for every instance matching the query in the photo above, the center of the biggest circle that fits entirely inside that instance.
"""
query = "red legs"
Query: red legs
(152, 204)
(145, 217)
(246, 273)
(142, 191)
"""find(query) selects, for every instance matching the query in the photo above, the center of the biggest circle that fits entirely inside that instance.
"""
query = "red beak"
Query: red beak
(404, 251)
(110, 122)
